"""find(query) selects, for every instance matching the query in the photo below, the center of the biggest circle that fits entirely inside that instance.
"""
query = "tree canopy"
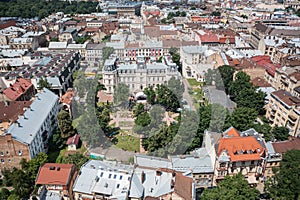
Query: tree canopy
(106, 52)
(286, 182)
(43, 83)
(121, 95)
(232, 187)
(41, 9)
(65, 124)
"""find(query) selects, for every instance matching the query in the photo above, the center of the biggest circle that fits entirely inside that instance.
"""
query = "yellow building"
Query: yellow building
(283, 109)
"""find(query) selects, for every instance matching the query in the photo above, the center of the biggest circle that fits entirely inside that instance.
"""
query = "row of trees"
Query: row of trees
(41, 9)
(250, 102)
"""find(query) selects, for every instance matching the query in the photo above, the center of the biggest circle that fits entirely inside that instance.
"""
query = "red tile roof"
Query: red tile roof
(73, 140)
(103, 97)
(9, 111)
(209, 38)
(240, 148)
(260, 82)
(232, 132)
(183, 186)
(67, 97)
(284, 146)
(265, 62)
(55, 174)
(17, 89)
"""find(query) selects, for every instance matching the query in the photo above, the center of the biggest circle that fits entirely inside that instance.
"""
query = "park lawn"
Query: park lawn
(193, 82)
(128, 142)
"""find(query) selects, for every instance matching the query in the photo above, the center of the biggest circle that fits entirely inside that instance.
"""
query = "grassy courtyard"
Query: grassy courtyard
(128, 142)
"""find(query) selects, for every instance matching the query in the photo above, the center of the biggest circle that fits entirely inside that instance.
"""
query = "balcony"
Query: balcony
(292, 118)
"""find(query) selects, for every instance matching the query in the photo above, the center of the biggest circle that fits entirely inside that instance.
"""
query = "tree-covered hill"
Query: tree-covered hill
(43, 8)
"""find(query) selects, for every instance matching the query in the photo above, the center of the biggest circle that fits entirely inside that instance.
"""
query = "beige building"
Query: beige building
(283, 109)
(138, 75)
(240, 153)
(287, 78)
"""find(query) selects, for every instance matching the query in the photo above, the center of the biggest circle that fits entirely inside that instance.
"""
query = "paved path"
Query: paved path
(113, 153)
(186, 94)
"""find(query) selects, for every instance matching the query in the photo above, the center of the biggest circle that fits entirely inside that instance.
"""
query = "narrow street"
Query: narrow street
(186, 94)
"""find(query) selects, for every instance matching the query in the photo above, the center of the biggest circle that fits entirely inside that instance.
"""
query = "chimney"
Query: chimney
(143, 177)
(158, 173)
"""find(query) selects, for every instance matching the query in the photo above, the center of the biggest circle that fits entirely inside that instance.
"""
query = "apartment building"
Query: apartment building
(138, 75)
(28, 130)
(270, 44)
(94, 53)
(287, 78)
(195, 61)
(68, 35)
(283, 109)
(57, 68)
(24, 43)
(243, 152)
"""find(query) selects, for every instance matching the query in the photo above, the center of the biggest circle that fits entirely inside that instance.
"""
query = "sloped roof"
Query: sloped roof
(284, 146)
(54, 174)
(17, 89)
(241, 148)
(9, 111)
(73, 140)
(183, 186)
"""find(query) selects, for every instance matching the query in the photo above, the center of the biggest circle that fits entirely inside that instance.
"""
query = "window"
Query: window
(115, 176)
(118, 185)
(243, 163)
(101, 174)
(121, 177)
(20, 152)
(109, 176)
(2, 160)
(1, 153)
(252, 162)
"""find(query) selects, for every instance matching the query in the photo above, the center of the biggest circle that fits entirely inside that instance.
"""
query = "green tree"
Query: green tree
(286, 182)
(176, 86)
(248, 97)
(43, 83)
(241, 82)
(65, 124)
(243, 118)
(226, 73)
(13, 197)
(121, 94)
(31, 167)
(77, 159)
(138, 109)
(4, 193)
(150, 93)
(280, 133)
(232, 187)
(106, 52)
(167, 98)
(143, 119)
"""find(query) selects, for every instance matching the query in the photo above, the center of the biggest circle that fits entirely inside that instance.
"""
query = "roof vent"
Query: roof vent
(52, 167)
(58, 168)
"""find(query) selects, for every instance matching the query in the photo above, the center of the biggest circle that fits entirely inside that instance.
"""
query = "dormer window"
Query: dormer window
(20, 152)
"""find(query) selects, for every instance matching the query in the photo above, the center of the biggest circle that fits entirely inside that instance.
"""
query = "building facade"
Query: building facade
(138, 75)
(283, 110)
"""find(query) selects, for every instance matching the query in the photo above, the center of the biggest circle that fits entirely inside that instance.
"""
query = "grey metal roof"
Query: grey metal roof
(153, 162)
(195, 49)
(194, 163)
(136, 187)
(34, 117)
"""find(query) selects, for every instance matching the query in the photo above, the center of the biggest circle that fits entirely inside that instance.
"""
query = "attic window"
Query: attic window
(52, 168)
